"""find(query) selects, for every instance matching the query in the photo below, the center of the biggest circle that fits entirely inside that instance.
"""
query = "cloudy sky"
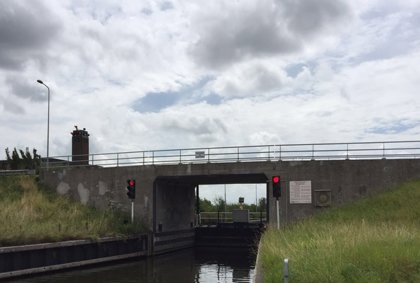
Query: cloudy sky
(172, 74)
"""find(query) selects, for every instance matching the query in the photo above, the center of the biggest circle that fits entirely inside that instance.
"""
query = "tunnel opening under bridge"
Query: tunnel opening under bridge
(176, 214)
(176, 198)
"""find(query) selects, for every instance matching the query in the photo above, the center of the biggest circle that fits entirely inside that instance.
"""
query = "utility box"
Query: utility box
(240, 216)
(80, 147)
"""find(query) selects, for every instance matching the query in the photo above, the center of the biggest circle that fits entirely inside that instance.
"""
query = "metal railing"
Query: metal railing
(212, 218)
(280, 152)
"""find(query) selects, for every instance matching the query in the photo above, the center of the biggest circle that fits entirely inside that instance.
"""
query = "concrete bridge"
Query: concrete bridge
(166, 193)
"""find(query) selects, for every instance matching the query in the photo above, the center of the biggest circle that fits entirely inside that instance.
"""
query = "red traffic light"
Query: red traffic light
(276, 186)
(131, 183)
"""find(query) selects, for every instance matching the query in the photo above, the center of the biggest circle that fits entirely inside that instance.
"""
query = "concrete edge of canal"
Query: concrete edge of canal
(258, 274)
(33, 259)
(24, 260)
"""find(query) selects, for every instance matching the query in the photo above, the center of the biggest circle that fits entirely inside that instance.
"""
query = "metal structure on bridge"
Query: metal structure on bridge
(250, 153)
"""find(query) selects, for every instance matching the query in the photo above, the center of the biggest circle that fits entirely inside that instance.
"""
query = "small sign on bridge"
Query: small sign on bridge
(200, 154)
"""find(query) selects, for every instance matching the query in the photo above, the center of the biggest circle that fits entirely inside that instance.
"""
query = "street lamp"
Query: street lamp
(48, 123)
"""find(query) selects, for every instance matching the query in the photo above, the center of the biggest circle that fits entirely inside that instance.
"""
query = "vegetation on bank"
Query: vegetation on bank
(30, 214)
(20, 159)
(373, 240)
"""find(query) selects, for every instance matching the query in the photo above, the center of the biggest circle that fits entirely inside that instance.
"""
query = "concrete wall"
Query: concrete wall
(165, 194)
(345, 181)
(105, 188)
(174, 204)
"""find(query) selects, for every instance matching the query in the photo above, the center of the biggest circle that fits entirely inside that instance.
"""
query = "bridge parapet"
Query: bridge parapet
(251, 153)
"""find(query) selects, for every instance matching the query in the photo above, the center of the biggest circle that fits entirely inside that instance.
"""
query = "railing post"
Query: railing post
(280, 152)
(143, 157)
(286, 270)
(118, 159)
(208, 155)
(347, 152)
(313, 152)
(383, 150)
(153, 158)
(237, 149)
(93, 157)
(269, 148)
(180, 156)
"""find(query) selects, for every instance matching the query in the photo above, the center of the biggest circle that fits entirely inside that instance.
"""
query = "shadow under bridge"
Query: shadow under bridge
(176, 198)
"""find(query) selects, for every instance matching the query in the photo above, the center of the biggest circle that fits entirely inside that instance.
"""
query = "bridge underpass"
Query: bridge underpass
(175, 215)
(175, 197)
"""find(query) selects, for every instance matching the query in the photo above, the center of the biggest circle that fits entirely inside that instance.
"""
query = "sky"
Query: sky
(142, 75)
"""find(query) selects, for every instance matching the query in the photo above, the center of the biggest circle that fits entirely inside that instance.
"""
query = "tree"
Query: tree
(23, 161)
(205, 205)
(262, 204)
(219, 203)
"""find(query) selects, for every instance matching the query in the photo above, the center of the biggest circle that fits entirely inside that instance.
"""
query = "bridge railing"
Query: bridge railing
(281, 152)
(213, 218)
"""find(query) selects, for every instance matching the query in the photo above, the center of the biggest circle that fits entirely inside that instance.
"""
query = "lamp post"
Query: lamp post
(48, 124)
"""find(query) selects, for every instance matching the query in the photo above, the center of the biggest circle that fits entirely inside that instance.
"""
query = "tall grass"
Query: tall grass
(30, 214)
(373, 240)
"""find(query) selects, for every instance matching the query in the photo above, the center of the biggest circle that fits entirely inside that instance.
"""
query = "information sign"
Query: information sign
(300, 192)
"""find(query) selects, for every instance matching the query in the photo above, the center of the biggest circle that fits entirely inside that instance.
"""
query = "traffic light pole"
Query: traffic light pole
(278, 213)
(132, 211)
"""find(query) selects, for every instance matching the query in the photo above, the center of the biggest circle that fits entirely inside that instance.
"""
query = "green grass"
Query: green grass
(373, 240)
(32, 214)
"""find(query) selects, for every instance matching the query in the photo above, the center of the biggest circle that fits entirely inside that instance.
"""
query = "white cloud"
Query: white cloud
(278, 72)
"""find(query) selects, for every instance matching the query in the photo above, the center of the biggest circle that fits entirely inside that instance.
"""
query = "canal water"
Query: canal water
(190, 265)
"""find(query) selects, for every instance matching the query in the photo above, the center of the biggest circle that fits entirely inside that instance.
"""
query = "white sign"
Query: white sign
(300, 192)
(200, 154)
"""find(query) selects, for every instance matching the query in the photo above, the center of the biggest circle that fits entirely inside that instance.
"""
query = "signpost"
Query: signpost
(277, 193)
(278, 214)
(131, 193)
(132, 211)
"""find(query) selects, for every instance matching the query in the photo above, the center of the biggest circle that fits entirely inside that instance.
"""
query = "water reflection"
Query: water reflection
(199, 266)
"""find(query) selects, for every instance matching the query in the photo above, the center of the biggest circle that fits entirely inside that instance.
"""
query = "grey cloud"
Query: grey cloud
(307, 17)
(252, 80)
(25, 88)
(166, 5)
(268, 28)
(12, 107)
(266, 80)
(26, 28)
(200, 126)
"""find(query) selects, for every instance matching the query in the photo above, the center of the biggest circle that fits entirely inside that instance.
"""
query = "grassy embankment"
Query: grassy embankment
(32, 214)
(373, 240)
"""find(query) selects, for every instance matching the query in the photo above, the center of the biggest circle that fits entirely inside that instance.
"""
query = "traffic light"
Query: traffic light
(131, 189)
(276, 186)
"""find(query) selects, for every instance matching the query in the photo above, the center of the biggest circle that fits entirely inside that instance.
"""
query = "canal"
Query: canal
(190, 265)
